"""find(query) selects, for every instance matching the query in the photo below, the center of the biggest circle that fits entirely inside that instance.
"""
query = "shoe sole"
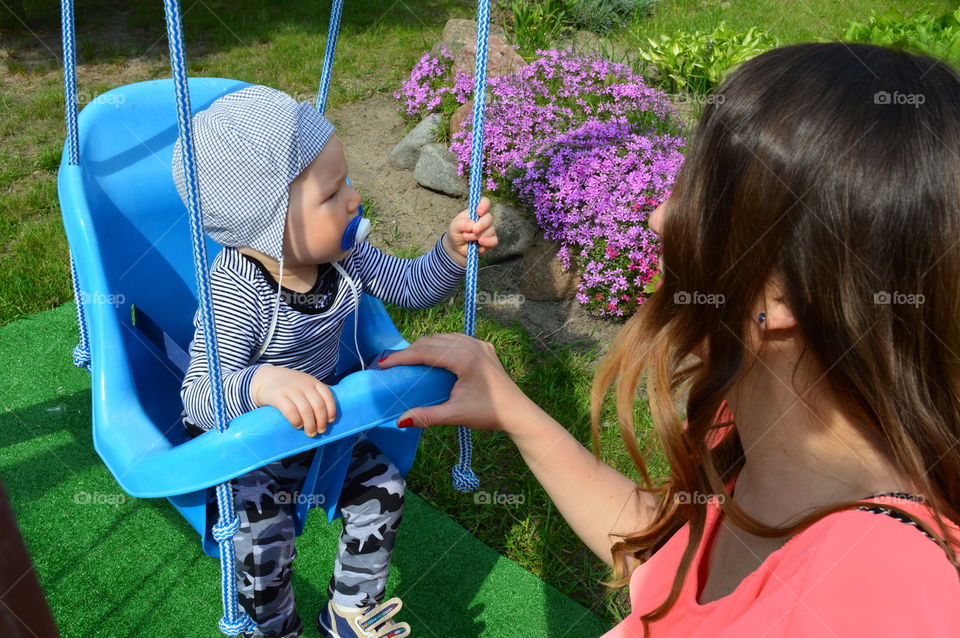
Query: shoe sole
(322, 628)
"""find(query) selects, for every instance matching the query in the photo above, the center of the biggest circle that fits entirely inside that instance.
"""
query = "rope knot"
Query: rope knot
(81, 357)
(242, 623)
(224, 530)
(464, 479)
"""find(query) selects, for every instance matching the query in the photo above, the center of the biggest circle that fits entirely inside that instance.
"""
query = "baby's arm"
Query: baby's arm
(304, 400)
(240, 322)
(411, 283)
(236, 312)
(433, 276)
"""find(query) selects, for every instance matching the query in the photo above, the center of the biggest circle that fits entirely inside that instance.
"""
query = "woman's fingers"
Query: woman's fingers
(440, 351)
(482, 397)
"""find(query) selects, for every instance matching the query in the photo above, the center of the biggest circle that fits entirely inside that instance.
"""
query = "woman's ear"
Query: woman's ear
(777, 314)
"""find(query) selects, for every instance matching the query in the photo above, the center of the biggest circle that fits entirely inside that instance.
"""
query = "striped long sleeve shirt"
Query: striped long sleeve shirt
(307, 334)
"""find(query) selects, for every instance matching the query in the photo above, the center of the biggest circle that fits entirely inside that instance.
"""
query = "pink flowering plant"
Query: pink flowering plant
(593, 190)
(591, 150)
(433, 87)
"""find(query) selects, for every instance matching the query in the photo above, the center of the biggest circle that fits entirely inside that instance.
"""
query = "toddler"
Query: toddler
(274, 192)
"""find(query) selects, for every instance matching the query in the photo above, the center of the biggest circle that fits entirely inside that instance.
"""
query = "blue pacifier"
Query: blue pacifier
(357, 230)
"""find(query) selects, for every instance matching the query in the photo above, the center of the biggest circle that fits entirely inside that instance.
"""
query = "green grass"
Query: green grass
(276, 43)
(145, 564)
(531, 533)
(805, 20)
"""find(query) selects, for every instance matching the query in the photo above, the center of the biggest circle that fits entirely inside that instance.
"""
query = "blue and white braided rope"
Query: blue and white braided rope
(81, 353)
(234, 620)
(464, 479)
(333, 30)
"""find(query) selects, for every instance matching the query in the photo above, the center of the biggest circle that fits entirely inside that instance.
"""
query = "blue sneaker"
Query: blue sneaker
(373, 621)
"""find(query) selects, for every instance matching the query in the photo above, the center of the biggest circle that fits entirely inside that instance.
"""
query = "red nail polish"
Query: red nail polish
(405, 423)
(381, 360)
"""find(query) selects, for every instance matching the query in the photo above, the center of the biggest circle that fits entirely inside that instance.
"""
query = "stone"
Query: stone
(582, 41)
(501, 58)
(456, 120)
(542, 277)
(458, 32)
(515, 230)
(405, 154)
(436, 169)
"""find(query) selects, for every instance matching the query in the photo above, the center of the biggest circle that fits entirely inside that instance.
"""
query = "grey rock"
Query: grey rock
(542, 277)
(458, 32)
(501, 59)
(405, 154)
(515, 230)
(436, 169)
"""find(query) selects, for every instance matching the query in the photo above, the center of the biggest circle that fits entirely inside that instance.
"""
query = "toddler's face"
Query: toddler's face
(320, 207)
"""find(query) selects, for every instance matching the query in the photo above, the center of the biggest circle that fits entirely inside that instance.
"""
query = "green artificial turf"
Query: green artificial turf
(118, 566)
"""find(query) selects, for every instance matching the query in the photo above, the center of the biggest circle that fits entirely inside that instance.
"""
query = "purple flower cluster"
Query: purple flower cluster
(592, 190)
(591, 150)
(432, 87)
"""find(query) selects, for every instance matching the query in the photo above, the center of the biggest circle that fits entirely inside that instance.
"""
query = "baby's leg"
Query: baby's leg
(372, 507)
(264, 544)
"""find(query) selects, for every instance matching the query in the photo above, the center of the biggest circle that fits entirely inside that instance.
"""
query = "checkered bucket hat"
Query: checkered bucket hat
(248, 147)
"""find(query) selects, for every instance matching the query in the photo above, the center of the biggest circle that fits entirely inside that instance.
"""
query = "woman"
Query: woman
(810, 253)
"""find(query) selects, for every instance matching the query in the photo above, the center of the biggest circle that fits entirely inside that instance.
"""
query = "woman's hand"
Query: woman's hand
(484, 396)
(305, 401)
(594, 498)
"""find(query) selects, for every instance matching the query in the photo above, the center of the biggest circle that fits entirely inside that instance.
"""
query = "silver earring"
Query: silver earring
(761, 317)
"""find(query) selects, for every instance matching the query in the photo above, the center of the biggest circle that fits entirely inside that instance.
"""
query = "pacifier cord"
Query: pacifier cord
(273, 321)
(276, 311)
(356, 310)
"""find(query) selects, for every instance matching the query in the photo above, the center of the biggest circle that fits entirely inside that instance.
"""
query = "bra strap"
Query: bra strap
(876, 509)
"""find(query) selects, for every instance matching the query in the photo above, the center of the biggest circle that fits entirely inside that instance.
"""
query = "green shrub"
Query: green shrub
(601, 16)
(918, 33)
(697, 62)
(536, 24)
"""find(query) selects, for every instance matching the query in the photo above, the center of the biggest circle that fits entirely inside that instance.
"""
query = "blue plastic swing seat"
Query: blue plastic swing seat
(129, 234)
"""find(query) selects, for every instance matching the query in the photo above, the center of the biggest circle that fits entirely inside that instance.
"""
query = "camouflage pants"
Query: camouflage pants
(372, 507)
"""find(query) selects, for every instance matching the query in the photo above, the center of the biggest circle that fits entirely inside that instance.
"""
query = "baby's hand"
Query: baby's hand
(306, 402)
(463, 230)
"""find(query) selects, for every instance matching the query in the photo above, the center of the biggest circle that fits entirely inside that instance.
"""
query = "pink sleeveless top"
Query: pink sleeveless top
(854, 573)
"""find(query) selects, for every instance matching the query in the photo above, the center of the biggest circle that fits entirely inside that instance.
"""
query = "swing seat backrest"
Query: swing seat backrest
(129, 235)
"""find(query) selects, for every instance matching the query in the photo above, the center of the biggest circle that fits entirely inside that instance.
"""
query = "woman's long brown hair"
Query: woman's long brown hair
(837, 166)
